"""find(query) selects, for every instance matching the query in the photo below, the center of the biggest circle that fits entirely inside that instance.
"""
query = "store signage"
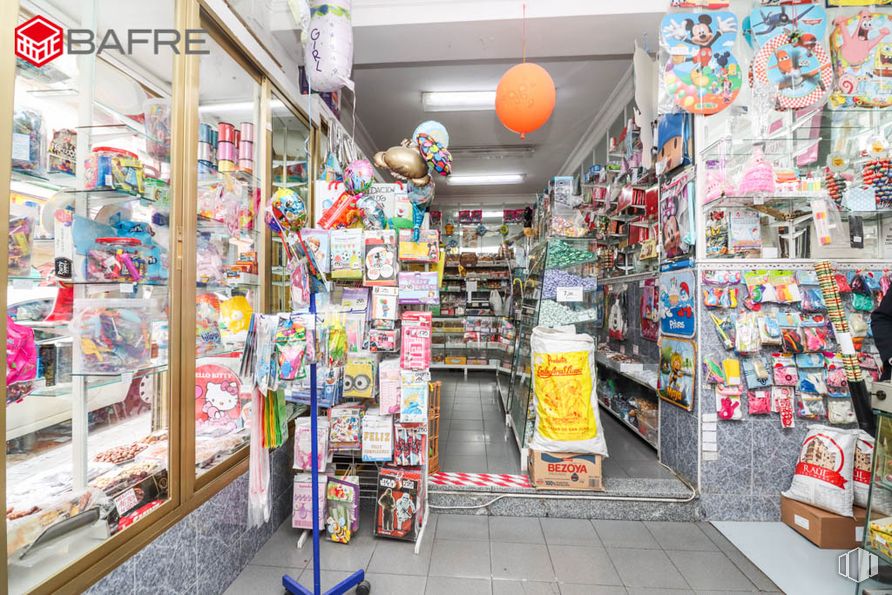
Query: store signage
(39, 41)
(569, 294)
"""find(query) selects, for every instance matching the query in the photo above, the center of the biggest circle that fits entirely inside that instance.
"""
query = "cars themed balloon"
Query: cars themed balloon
(288, 209)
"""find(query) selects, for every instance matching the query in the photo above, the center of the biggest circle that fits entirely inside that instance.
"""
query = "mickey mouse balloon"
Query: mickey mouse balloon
(702, 75)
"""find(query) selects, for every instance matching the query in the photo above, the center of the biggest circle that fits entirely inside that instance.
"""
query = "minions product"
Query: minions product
(360, 375)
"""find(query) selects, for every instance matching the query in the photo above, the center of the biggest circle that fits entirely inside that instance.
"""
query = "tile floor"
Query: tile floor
(474, 438)
(473, 555)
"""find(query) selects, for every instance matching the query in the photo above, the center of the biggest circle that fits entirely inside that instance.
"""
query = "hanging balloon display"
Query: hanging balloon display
(328, 50)
(435, 130)
(435, 154)
(503, 229)
(358, 176)
(404, 163)
(525, 98)
(421, 198)
(289, 210)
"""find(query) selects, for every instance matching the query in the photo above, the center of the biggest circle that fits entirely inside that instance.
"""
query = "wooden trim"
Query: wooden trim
(9, 15)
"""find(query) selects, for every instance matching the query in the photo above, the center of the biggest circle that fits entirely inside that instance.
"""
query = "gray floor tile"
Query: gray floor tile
(258, 580)
(508, 587)
(460, 526)
(468, 425)
(751, 571)
(398, 557)
(348, 557)
(501, 465)
(625, 534)
(281, 550)
(710, 570)
(464, 464)
(464, 559)
(464, 449)
(570, 589)
(647, 470)
(457, 586)
(506, 529)
(680, 536)
(466, 414)
(645, 568)
(524, 561)
(568, 532)
(588, 565)
(634, 591)
(395, 583)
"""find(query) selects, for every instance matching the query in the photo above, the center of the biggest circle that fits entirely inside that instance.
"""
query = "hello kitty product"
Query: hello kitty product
(217, 400)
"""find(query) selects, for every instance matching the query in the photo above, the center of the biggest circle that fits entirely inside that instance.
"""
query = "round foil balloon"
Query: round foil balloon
(328, 51)
(436, 155)
(358, 176)
(420, 195)
(525, 98)
(289, 210)
(434, 129)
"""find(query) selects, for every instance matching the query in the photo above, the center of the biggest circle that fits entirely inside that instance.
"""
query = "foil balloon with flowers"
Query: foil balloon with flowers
(359, 176)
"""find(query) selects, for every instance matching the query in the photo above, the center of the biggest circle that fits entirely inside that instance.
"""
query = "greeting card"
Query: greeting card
(380, 263)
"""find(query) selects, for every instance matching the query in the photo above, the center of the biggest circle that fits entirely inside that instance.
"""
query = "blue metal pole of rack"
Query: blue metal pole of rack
(357, 579)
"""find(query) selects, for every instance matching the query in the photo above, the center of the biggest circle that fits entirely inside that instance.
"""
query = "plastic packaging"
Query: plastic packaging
(21, 237)
(114, 335)
(823, 475)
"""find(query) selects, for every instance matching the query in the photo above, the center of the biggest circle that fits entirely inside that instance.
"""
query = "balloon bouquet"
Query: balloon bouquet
(413, 161)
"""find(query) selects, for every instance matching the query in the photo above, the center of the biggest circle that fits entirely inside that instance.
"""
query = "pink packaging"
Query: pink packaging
(415, 353)
(383, 340)
(389, 389)
(302, 514)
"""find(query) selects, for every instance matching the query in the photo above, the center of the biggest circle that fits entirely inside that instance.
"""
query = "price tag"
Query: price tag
(569, 294)
(471, 286)
(126, 287)
(126, 502)
(634, 349)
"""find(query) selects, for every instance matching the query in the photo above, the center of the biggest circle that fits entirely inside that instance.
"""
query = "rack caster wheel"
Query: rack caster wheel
(363, 588)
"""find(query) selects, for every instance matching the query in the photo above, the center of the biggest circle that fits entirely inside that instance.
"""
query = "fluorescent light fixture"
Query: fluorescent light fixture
(486, 179)
(493, 214)
(458, 101)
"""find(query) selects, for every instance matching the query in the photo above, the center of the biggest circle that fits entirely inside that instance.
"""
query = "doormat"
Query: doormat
(480, 480)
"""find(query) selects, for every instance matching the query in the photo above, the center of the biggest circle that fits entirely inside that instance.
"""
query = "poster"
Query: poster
(790, 59)
(617, 322)
(678, 370)
(650, 310)
(702, 74)
(861, 53)
(218, 406)
(677, 307)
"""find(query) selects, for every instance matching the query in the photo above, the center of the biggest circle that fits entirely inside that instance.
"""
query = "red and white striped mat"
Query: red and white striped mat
(480, 480)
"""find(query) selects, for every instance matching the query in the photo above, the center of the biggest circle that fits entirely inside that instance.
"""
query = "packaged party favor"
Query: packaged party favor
(346, 254)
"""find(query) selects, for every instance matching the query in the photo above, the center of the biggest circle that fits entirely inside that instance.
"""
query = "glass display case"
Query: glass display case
(228, 249)
(878, 527)
(90, 360)
(560, 289)
(796, 185)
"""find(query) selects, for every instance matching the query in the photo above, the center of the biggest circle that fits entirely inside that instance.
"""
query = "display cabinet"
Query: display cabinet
(878, 526)
(559, 290)
(795, 185)
(95, 355)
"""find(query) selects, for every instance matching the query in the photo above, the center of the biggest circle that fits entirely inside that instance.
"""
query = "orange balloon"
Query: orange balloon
(525, 98)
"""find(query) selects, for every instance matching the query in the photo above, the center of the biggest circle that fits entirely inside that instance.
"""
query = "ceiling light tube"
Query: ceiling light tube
(458, 101)
(486, 179)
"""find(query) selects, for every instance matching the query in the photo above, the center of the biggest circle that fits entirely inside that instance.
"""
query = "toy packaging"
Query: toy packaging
(410, 444)
(416, 341)
(344, 423)
(426, 249)
(419, 288)
(384, 340)
(390, 379)
(303, 456)
(377, 437)
(385, 303)
(346, 254)
(342, 503)
(414, 392)
(861, 52)
(114, 335)
(302, 513)
(317, 242)
(380, 263)
(359, 376)
(400, 503)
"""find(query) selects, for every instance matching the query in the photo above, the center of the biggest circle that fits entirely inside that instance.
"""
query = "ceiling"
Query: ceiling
(586, 54)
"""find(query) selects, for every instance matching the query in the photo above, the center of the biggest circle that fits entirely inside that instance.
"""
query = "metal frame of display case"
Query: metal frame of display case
(186, 492)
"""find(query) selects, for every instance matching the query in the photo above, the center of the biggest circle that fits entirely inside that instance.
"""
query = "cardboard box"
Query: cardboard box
(565, 471)
(824, 529)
